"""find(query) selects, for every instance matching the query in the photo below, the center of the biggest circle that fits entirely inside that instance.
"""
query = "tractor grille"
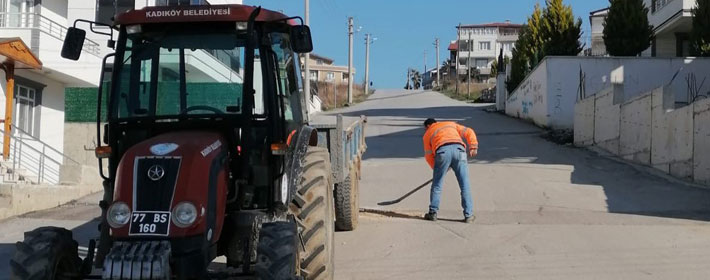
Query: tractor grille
(155, 180)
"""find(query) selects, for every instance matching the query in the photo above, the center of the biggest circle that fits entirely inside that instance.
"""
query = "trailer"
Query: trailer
(346, 142)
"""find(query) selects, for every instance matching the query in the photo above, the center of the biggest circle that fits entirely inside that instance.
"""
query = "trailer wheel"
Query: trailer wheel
(347, 203)
(46, 253)
(313, 209)
(277, 252)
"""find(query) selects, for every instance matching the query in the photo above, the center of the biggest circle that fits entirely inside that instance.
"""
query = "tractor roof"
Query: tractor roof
(164, 14)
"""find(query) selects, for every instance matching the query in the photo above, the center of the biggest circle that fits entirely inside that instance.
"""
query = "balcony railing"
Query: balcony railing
(45, 25)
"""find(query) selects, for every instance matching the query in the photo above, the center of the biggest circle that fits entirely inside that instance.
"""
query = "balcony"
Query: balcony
(45, 38)
(665, 14)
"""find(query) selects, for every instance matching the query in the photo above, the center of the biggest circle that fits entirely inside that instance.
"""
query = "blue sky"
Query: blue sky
(405, 28)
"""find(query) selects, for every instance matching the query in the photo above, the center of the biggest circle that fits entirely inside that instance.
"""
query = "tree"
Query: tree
(626, 28)
(535, 42)
(560, 31)
(519, 66)
(700, 34)
(494, 66)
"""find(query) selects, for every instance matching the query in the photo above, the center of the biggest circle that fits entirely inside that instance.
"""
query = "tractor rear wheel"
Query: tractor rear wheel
(313, 209)
(46, 253)
(347, 203)
(277, 252)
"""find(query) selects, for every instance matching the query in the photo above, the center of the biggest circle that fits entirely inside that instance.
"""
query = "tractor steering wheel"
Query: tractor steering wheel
(201, 108)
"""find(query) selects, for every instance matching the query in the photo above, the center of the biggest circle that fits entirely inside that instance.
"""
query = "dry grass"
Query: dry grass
(449, 89)
(326, 94)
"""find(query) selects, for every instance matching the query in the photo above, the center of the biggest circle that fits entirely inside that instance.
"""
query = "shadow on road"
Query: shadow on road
(503, 140)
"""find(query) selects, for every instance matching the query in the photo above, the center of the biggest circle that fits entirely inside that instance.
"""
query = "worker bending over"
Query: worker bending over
(444, 148)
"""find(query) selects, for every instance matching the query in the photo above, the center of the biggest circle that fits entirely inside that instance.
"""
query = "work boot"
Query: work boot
(430, 216)
(469, 220)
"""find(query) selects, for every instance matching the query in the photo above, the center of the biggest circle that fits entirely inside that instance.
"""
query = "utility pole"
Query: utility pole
(350, 60)
(458, 54)
(367, 63)
(425, 62)
(438, 66)
(307, 57)
(468, 67)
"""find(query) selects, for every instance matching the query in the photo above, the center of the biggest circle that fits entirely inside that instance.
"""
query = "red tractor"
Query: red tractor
(206, 152)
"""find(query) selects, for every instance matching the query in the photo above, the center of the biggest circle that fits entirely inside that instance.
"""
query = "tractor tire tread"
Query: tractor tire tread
(312, 207)
(36, 256)
(277, 251)
(347, 204)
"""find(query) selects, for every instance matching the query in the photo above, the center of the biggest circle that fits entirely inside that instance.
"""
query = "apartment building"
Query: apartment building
(39, 103)
(323, 69)
(480, 44)
(596, 20)
(672, 22)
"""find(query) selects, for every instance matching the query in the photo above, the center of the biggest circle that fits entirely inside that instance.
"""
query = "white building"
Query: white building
(480, 45)
(672, 22)
(596, 20)
(40, 94)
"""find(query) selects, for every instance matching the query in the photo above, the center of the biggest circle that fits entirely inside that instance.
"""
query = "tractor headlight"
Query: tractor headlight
(184, 214)
(118, 214)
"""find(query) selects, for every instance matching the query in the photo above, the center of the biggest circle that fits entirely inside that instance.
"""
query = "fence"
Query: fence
(45, 25)
(33, 159)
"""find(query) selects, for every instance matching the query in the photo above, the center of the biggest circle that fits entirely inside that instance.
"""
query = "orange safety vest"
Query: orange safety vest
(441, 133)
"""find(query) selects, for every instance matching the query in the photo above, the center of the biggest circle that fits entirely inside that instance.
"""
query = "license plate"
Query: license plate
(150, 223)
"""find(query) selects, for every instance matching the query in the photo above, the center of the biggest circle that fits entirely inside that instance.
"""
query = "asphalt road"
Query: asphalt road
(544, 211)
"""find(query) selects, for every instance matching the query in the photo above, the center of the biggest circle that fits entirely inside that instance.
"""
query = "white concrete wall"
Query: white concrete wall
(635, 141)
(501, 91)
(606, 120)
(672, 135)
(556, 82)
(56, 10)
(51, 109)
(665, 45)
(649, 130)
(530, 100)
(701, 141)
(584, 122)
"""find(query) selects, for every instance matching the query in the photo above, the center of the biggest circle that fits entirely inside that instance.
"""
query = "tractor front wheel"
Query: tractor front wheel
(46, 253)
(277, 252)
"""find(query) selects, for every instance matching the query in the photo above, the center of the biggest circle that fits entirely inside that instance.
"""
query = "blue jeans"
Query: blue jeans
(454, 157)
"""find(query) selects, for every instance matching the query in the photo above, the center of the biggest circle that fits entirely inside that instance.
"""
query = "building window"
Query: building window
(657, 5)
(314, 75)
(107, 9)
(484, 45)
(18, 13)
(481, 63)
(507, 47)
(330, 76)
(26, 114)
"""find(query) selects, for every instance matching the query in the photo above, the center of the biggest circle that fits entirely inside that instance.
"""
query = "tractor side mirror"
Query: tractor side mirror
(73, 43)
(301, 39)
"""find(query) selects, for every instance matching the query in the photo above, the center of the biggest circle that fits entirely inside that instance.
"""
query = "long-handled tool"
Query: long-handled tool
(384, 203)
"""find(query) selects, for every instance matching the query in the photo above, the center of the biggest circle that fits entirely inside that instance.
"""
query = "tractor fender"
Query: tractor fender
(305, 137)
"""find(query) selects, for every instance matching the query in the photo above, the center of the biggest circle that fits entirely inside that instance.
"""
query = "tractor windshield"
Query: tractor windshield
(167, 74)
